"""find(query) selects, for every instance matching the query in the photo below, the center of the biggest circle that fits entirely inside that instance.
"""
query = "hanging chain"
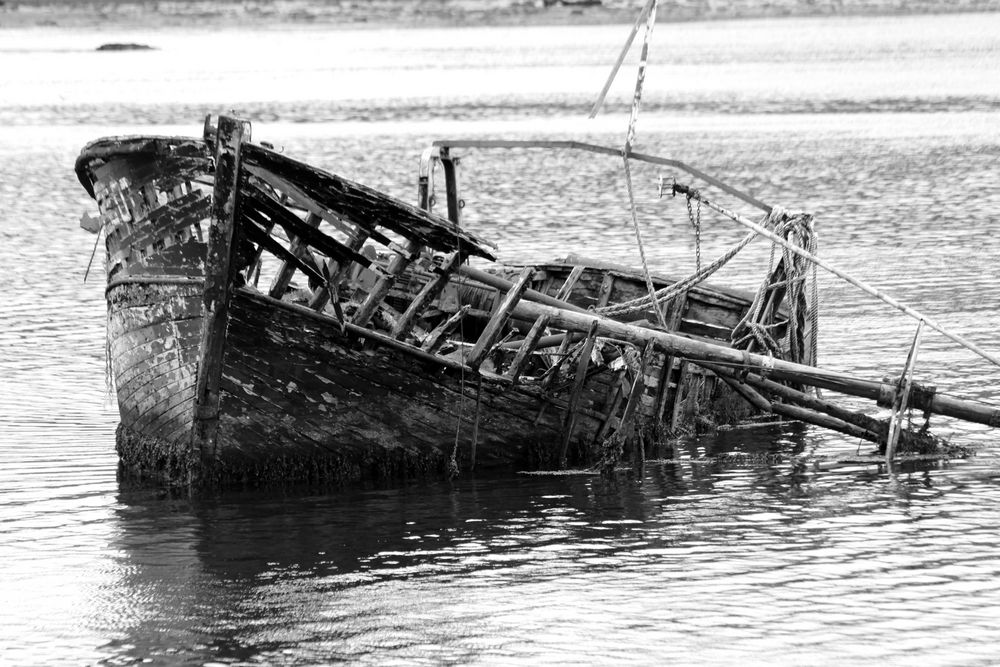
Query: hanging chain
(695, 219)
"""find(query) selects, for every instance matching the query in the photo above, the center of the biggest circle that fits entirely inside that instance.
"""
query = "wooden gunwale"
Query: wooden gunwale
(154, 280)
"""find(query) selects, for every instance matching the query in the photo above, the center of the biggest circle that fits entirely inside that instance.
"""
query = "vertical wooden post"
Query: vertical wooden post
(582, 365)
(664, 394)
(218, 283)
(450, 165)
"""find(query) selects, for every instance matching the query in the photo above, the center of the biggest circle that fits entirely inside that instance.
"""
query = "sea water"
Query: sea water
(888, 129)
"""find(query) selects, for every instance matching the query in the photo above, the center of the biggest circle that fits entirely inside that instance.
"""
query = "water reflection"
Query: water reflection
(531, 569)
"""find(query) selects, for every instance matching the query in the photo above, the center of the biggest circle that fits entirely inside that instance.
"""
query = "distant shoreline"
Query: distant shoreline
(196, 14)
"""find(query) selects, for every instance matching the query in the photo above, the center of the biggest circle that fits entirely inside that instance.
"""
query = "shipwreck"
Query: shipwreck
(271, 321)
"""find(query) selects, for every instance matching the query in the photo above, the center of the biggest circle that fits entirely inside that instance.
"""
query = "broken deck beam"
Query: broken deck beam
(503, 284)
(396, 267)
(427, 294)
(767, 366)
(496, 324)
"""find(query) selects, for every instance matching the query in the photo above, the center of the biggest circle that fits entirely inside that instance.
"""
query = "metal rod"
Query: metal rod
(605, 150)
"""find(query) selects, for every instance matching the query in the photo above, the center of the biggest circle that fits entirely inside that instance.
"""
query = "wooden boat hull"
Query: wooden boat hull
(303, 403)
(303, 395)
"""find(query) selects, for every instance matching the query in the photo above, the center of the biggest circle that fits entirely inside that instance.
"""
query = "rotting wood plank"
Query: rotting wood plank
(636, 389)
(218, 281)
(306, 231)
(368, 207)
(170, 422)
(150, 341)
(279, 285)
(304, 387)
(534, 336)
(499, 319)
(683, 373)
(290, 322)
(396, 266)
(126, 379)
(439, 335)
(336, 274)
(125, 321)
(299, 197)
(430, 291)
(567, 287)
(560, 357)
(268, 242)
(607, 286)
(581, 376)
(614, 404)
(144, 412)
(900, 400)
(784, 370)
(678, 307)
(527, 347)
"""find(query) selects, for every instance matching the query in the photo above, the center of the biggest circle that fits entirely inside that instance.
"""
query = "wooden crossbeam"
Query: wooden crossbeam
(436, 338)
(527, 347)
(538, 327)
(306, 201)
(499, 319)
(427, 294)
(336, 272)
(567, 287)
(268, 242)
(284, 276)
